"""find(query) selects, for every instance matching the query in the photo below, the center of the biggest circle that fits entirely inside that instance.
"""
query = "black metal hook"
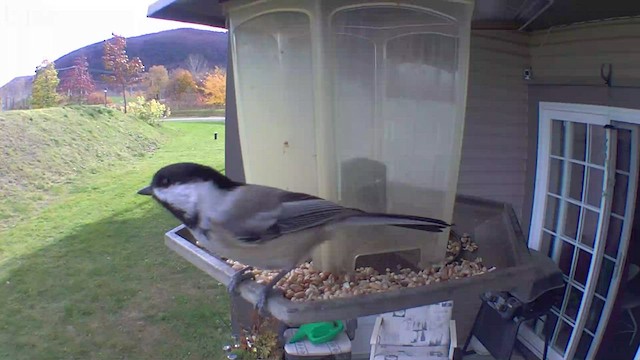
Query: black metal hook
(607, 77)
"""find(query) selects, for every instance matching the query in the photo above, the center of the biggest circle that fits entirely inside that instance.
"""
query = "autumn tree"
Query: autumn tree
(214, 87)
(124, 71)
(156, 81)
(77, 82)
(45, 84)
(181, 83)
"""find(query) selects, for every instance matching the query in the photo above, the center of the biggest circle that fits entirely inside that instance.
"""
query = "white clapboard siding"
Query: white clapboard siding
(568, 54)
(494, 151)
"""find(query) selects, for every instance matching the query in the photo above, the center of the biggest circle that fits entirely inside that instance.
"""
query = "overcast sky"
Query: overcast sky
(34, 30)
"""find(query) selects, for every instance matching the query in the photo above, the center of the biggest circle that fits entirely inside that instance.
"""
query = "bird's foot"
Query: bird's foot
(261, 304)
(238, 278)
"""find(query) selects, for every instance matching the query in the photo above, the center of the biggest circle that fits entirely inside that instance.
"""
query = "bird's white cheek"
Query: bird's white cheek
(178, 197)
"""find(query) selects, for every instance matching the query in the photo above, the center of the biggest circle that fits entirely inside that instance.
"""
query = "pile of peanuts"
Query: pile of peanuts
(307, 284)
(468, 244)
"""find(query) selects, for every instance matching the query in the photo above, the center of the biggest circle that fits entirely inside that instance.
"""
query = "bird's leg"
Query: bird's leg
(261, 305)
(238, 278)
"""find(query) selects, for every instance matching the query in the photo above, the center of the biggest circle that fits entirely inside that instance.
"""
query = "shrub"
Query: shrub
(97, 98)
(149, 111)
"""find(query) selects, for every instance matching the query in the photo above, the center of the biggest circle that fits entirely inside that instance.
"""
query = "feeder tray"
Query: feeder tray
(492, 225)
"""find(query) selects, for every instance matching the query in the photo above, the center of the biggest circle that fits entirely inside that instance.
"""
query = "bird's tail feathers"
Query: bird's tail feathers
(405, 221)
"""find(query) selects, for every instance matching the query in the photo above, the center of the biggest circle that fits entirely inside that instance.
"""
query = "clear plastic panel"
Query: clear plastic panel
(397, 128)
(359, 102)
(275, 100)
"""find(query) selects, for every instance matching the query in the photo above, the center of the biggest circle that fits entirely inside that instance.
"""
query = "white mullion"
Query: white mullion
(625, 237)
(599, 246)
(618, 216)
(571, 241)
(575, 202)
(578, 162)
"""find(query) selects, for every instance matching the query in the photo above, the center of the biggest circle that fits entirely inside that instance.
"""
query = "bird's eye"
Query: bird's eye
(164, 182)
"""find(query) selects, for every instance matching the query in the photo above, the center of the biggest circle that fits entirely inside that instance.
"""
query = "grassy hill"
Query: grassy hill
(41, 149)
(89, 277)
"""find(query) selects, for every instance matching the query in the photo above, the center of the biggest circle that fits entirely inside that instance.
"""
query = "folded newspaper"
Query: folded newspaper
(417, 333)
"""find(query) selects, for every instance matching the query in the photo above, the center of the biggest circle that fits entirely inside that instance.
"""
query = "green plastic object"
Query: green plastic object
(318, 333)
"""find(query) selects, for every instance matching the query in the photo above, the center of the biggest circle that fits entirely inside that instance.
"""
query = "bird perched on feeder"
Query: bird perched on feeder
(259, 226)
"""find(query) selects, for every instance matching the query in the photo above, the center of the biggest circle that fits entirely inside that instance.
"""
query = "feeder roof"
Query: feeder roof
(487, 13)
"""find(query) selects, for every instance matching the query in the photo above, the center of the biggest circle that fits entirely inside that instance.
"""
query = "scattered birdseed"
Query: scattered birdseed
(307, 284)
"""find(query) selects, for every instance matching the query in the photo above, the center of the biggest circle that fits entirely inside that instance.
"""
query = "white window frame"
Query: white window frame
(596, 115)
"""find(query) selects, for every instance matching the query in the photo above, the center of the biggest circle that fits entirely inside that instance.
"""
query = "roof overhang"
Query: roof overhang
(502, 14)
(203, 12)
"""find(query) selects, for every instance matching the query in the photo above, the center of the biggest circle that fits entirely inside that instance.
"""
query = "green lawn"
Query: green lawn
(89, 277)
(196, 112)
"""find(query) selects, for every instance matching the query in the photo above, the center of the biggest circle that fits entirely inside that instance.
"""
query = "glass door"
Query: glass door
(583, 211)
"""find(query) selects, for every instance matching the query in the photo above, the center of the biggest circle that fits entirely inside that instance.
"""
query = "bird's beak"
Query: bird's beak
(145, 191)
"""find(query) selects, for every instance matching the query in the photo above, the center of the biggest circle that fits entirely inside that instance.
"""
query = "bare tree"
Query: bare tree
(197, 65)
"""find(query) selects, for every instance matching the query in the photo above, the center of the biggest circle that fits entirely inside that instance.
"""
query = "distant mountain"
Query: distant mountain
(15, 94)
(169, 48)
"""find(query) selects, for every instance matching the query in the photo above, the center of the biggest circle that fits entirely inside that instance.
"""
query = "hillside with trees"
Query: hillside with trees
(184, 69)
(170, 49)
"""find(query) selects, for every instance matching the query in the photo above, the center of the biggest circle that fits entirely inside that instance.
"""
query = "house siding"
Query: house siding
(574, 54)
(495, 147)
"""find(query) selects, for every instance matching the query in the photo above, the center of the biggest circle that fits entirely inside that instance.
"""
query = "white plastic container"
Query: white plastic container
(359, 102)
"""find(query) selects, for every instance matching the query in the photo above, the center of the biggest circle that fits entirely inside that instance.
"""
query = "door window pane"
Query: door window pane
(624, 150)
(594, 186)
(619, 201)
(573, 303)
(583, 346)
(566, 257)
(614, 233)
(557, 137)
(582, 267)
(594, 314)
(556, 169)
(589, 227)
(579, 141)
(551, 216)
(571, 220)
(604, 278)
(597, 146)
(577, 177)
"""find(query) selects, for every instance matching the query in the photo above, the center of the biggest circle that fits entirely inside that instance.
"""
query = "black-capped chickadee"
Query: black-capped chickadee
(259, 226)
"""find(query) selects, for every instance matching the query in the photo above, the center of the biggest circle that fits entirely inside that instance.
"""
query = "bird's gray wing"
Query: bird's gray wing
(300, 215)
(298, 211)
(295, 216)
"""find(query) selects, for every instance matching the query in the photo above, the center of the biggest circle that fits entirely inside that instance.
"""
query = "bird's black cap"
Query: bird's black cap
(186, 172)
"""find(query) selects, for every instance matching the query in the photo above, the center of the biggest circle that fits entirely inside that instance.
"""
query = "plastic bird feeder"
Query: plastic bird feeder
(362, 103)
(359, 102)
